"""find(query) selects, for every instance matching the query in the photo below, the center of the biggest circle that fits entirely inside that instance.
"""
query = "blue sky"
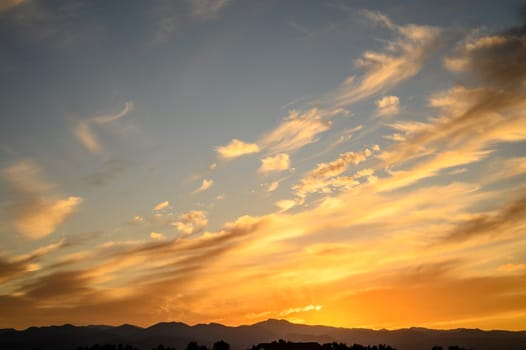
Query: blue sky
(376, 147)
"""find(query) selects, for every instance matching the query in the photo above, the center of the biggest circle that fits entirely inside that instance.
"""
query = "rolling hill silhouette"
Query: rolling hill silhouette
(69, 337)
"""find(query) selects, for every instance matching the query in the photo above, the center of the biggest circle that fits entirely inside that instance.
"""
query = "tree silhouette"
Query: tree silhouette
(192, 346)
(221, 345)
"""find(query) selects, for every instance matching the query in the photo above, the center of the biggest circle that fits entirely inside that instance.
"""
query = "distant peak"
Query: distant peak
(165, 324)
(275, 321)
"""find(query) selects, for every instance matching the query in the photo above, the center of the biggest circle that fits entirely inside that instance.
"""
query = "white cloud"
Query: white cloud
(205, 185)
(237, 148)
(279, 162)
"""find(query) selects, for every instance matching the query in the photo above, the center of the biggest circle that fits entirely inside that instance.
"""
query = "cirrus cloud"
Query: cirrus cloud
(35, 210)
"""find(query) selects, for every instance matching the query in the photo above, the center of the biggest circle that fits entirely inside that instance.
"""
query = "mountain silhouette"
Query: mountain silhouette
(178, 335)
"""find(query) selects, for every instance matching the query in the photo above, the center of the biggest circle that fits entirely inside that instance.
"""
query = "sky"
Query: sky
(345, 163)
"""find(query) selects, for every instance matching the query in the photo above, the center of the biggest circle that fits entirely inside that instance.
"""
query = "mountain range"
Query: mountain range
(69, 337)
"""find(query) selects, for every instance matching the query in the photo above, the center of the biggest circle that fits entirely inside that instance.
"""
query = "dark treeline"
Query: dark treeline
(275, 345)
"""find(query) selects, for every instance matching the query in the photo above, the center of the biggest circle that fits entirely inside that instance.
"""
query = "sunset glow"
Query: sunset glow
(345, 163)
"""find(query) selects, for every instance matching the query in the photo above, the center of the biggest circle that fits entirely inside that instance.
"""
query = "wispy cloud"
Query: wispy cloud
(402, 59)
(84, 128)
(161, 206)
(205, 185)
(294, 310)
(207, 8)
(508, 217)
(35, 210)
(299, 129)
(173, 16)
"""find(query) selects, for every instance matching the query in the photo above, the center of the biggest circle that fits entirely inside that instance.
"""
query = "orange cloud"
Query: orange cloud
(35, 210)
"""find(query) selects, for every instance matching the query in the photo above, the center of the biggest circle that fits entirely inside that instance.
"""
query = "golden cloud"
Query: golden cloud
(237, 148)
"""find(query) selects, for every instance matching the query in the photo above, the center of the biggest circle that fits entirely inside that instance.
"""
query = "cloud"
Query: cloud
(510, 216)
(207, 8)
(9, 4)
(205, 185)
(161, 206)
(156, 236)
(10, 269)
(294, 310)
(84, 128)
(173, 16)
(35, 211)
(279, 162)
(497, 59)
(86, 137)
(322, 179)
(512, 267)
(191, 222)
(137, 219)
(402, 59)
(388, 106)
(41, 217)
(286, 204)
(471, 121)
(299, 129)
(273, 186)
(237, 148)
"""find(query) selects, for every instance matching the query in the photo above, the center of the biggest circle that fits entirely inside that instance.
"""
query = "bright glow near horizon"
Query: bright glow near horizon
(346, 163)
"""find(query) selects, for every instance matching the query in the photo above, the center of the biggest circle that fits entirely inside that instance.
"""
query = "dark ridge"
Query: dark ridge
(178, 335)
